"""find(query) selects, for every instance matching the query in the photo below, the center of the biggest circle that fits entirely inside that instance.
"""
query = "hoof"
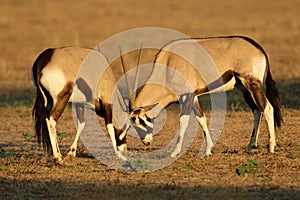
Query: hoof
(122, 148)
(208, 154)
(250, 147)
(176, 151)
(208, 151)
(121, 156)
(174, 154)
(72, 153)
(58, 161)
(250, 152)
(272, 147)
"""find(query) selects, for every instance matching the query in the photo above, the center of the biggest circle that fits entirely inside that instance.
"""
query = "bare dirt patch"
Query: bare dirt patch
(26, 172)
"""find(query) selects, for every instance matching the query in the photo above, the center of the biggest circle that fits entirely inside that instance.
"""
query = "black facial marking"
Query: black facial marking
(148, 118)
(142, 122)
(136, 112)
(133, 119)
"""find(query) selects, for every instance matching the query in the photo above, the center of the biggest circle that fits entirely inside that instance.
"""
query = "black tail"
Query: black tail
(273, 96)
(39, 114)
(40, 111)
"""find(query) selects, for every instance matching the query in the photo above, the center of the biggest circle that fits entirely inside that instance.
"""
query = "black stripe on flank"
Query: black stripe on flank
(226, 77)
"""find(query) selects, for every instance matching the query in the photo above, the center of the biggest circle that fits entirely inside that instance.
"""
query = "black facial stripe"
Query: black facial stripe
(137, 112)
(133, 119)
(148, 119)
(142, 122)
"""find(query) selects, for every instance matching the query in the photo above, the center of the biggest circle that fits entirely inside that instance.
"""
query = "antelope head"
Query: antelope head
(142, 119)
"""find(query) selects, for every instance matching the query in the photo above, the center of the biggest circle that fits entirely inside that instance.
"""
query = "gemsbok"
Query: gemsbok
(241, 63)
(54, 73)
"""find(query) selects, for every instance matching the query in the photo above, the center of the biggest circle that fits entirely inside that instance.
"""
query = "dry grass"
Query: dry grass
(28, 27)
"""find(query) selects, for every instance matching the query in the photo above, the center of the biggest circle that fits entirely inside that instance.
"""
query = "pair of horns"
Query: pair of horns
(132, 90)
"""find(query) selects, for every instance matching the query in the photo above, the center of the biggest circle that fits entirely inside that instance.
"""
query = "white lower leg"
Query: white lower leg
(51, 124)
(73, 147)
(111, 132)
(184, 120)
(209, 143)
(268, 113)
(122, 148)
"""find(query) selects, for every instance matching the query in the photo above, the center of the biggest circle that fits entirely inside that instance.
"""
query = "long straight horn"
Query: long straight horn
(135, 83)
(122, 102)
(124, 72)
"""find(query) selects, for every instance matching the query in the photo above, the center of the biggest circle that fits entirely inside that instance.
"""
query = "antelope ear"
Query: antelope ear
(153, 110)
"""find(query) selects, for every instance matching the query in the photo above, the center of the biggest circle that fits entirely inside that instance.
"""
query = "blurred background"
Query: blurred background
(28, 27)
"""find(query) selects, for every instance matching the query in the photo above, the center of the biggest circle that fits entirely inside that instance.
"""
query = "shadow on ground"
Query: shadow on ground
(31, 188)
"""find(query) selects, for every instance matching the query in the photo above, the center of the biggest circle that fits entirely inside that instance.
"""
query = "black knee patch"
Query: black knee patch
(186, 101)
(253, 92)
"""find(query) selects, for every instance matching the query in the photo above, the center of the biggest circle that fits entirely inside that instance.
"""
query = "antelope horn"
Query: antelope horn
(137, 74)
(124, 72)
(118, 93)
(121, 101)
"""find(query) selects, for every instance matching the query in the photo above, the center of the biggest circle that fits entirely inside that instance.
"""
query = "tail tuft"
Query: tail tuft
(273, 96)
(39, 113)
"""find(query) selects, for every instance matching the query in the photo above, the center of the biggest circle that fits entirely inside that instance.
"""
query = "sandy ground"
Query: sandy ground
(26, 172)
